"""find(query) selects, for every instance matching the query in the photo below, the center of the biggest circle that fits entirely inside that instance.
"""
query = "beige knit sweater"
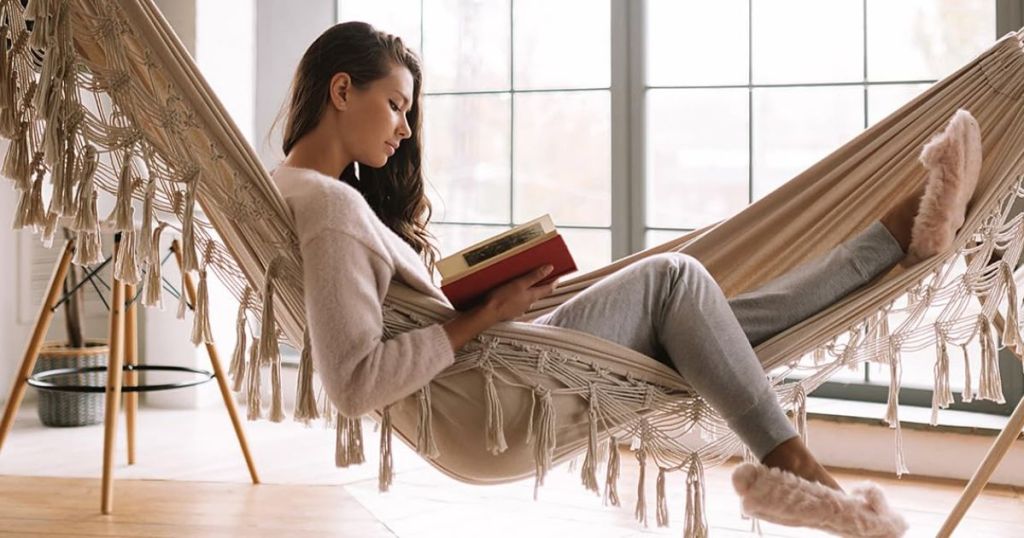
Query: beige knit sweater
(349, 259)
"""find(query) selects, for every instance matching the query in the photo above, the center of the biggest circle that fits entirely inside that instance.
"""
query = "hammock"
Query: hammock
(101, 96)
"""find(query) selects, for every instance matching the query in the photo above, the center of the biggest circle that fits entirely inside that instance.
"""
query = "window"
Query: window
(634, 122)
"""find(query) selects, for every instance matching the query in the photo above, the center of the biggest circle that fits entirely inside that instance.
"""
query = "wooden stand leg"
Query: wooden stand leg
(985, 470)
(131, 399)
(113, 392)
(28, 361)
(219, 374)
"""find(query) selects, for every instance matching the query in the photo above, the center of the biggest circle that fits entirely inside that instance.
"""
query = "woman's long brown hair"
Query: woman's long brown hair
(394, 191)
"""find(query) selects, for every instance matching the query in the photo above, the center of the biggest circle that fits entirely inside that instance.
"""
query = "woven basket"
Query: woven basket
(72, 408)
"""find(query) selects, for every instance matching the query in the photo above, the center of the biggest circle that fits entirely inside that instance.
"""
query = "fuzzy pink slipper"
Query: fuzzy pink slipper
(953, 161)
(782, 497)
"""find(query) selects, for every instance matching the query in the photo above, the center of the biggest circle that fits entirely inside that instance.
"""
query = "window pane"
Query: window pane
(796, 127)
(561, 157)
(799, 41)
(591, 249)
(467, 162)
(653, 238)
(398, 17)
(697, 156)
(562, 44)
(886, 99)
(926, 39)
(466, 45)
(690, 43)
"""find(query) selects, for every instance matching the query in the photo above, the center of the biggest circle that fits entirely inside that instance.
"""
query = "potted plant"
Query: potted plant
(59, 408)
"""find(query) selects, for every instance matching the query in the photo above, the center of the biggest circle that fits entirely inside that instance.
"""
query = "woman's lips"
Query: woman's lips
(391, 149)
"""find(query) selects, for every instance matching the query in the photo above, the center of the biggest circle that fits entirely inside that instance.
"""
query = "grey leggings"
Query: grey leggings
(668, 307)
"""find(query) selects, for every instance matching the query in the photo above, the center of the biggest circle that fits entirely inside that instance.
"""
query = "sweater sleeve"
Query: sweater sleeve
(343, 281)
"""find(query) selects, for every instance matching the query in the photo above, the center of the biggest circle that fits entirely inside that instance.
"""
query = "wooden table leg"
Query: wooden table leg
(220, 376)
(113, 392)
(28, 361)
(131, 399)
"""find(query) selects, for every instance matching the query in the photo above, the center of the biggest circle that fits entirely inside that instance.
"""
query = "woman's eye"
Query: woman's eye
(393, 106)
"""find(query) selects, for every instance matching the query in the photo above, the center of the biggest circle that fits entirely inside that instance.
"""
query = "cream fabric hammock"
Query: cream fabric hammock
(101, 96)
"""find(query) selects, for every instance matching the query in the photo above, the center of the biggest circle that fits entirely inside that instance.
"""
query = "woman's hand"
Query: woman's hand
(513, 298)
(508, 301)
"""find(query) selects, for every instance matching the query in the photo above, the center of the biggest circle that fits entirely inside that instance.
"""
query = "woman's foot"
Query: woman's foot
(793, 456)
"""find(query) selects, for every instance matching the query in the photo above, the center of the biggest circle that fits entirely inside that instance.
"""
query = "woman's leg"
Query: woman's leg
(815, 285)
(669, 307)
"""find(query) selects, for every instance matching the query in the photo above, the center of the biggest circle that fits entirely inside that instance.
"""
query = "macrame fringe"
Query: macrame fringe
(305, 401)
(85, 214)
(611, 488)
(188, 233)
(800, 411)
(126, 266)
(269, 351)
(544, 444)
(49, 229)
(7, 88)
(254, 396)
(146, 233)
(89, 248)
(348, 449)
(30, 213)
(641, 499)
(237, 369)
(425, 444)
(495, 417)
(588, 472)
(942, 395)
(152, 295)
(990, 386)
(16, 163)
(41, 24)
(696, 513)
(661, 512)
(63, 178)
(201, 331)
(892, 406)
(1011, 336)
(122, 214)
(385, 474)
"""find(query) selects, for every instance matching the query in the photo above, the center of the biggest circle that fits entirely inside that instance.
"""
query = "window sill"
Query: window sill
(911, 417)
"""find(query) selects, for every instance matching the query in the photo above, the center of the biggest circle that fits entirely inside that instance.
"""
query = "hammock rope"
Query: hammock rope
(101, 97)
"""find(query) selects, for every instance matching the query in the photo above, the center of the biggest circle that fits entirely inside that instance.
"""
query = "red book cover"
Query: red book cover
(465, 292)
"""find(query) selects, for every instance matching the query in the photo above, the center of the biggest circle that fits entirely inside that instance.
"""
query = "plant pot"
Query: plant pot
(58, 408)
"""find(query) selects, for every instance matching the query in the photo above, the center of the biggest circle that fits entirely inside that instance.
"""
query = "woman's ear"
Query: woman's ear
(341, 87)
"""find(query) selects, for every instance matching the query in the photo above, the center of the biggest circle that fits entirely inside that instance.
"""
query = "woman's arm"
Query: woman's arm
(468, 324)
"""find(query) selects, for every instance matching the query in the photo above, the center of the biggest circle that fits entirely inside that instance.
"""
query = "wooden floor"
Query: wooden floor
(190, 481)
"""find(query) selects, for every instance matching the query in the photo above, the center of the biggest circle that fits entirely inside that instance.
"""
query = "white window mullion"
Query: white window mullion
(635, 109)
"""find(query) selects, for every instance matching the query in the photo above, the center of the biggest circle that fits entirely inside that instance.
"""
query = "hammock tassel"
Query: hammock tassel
(254, 398)
(8, 88)
(269, 352)
(188, 234)
(89, 249)
(495, 418)
(385, 476)
(1011, 330)
(661, 514)
(145, 237)
(122, 215)
(49, 229)
(30, 213)
(611, 489)
(151, 294)
(544, 445)
(892, 407)
(201, 331)
(968, 394)
(85, 215)
(237, 369)
(126, 266)
(425, 444)
(588, 471)
(16, 164)
(305, 400)
(41, 26)
(696, 514)
(641, 501)
(63, 178)
(942, 396)
(348, 449)
(990, 386)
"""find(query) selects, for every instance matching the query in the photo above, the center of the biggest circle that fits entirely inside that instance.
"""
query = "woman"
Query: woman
(356, 99)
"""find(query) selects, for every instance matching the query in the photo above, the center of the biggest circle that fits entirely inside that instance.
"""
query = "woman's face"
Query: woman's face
(372, 121)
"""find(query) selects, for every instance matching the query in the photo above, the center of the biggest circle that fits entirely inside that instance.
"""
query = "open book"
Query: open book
(469, 274)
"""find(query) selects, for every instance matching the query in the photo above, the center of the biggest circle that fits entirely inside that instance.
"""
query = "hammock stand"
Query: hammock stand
(101, 96)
